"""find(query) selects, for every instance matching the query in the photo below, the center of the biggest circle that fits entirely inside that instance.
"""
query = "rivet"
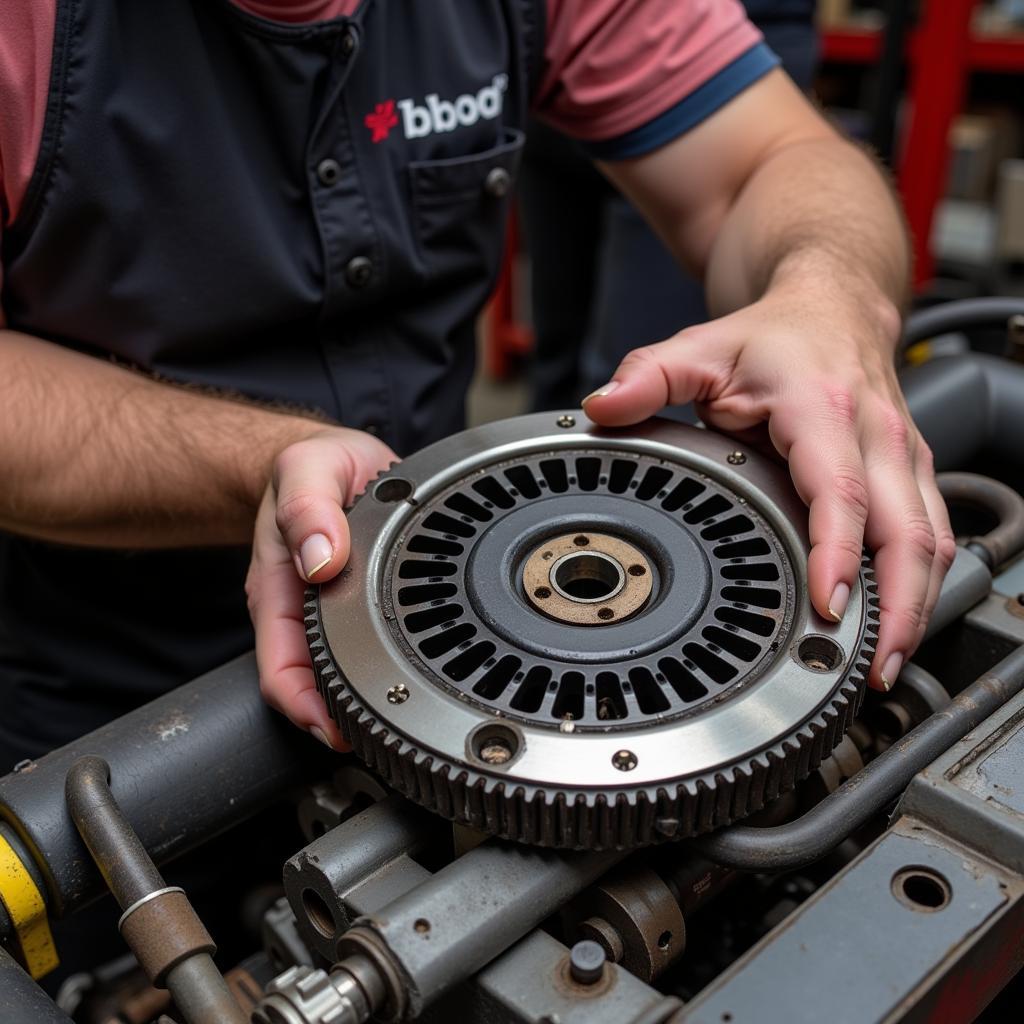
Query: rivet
(566, 421)
(735, 458)
(398, 694)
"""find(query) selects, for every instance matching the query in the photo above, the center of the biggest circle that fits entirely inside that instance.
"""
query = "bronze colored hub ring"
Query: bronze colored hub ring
(587, 579)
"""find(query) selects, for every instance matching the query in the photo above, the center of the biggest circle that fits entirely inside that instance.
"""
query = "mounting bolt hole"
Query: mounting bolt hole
(664, 940)
(581, 541)
(319, 914)
(494, 744)
(637, 570)
(605, 613)
(922, 889)
(624, 760)
(819, 653)
(422, 925)
(393, 489)
(542, 593)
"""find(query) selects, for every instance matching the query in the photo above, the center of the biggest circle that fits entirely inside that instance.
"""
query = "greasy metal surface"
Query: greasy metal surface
(857, 950)
(631, 589)
(811, 836)
(560, 787)
(470, 911)
(185, 767)
(974, 791)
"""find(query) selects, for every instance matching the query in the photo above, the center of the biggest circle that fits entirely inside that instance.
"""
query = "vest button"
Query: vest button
(497, 183)
(328, 171)
(359, 271)
(349, 42)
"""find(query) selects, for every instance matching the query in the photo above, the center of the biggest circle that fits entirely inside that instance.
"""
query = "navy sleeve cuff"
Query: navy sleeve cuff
(691, 110)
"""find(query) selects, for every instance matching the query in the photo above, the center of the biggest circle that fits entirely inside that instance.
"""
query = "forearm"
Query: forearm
(816, 213)
(92, 453)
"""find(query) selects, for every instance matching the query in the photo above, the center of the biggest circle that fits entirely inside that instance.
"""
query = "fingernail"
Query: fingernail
(315, 553)
(601, 392)
(838, 601)
(891, 669)
(321, 736)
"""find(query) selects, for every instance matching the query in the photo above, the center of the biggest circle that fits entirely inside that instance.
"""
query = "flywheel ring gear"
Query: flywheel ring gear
(702, 687)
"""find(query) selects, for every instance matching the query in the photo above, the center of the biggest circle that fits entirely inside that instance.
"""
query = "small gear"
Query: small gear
(586, 638)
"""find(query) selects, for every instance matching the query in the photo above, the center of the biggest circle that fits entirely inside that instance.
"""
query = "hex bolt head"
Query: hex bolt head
(398, 694)
(495, 751)
(586, 962)
(735, 458)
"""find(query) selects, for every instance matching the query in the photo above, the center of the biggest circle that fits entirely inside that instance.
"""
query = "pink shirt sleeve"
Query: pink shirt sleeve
(611, 66)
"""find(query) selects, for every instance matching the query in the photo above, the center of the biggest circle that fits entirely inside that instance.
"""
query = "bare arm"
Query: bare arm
(806, 263)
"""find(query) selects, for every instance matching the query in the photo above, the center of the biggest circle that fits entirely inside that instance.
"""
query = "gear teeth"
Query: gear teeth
(583, 819)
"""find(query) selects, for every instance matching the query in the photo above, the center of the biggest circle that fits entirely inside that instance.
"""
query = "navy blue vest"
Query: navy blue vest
(306, 214)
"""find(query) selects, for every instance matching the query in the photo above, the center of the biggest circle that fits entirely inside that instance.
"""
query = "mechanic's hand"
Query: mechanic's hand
(818, 373)
(302, 536)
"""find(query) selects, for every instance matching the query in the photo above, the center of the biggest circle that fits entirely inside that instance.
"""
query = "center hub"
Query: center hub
(587, 579)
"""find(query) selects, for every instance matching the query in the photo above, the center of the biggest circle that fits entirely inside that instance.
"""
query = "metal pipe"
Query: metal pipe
(170, 942)
(1006, 540)
(925, 687)
(841, 813)
(22, 1001)
(962, 315)
(186, 767)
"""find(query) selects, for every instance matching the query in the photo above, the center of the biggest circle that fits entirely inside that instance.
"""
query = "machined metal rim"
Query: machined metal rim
(413, 726)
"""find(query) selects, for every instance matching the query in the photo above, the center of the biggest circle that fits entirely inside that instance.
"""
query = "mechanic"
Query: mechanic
(244, 243)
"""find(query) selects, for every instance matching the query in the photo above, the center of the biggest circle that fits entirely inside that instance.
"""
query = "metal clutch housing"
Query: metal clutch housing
(586, 638)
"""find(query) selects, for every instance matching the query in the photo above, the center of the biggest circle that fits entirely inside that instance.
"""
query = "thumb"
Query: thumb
(689, 367)
(312, 483)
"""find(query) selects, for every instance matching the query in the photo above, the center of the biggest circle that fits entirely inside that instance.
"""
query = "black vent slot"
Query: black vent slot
(555, 473)
(431, 618)
(684, 492)
(710, 664)
(425, 592)
(492, 684)
(446, 524)
(730, 527)
(530, 694)
(622, 472)
(569, 701)
(738, 646)
(611, 703)
(682, 680)
(649, 695)
(654, 479)
(424, 544)
(466, 506)
(523, 481)
(416, 570)
(465, 664)
(588, 473)
(441, 643)
(750, 621)
(755, 571)
(490, 490)
(743, 549)
(754, 596)
(713, 506)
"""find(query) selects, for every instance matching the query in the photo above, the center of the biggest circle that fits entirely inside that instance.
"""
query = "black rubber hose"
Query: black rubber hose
(185, 768)
(22, 1001)
(929, 691)
(853, 804)
(1006, 540)
(962, 315)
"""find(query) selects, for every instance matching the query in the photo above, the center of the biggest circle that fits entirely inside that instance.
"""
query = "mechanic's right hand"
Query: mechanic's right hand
(302, 537)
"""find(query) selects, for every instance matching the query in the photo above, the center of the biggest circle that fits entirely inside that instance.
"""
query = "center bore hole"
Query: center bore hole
(588, 576)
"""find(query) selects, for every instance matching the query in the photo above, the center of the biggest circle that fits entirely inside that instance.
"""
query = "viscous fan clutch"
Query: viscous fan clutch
(581, 637)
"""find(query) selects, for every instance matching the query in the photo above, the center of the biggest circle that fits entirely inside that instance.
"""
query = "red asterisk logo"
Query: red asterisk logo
(382, 120)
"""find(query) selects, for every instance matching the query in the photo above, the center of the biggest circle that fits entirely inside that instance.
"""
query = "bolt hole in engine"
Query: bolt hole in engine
(494, 744)
(392, 490)
(422, 925)
(319, 913)
(664, 940)
(922, 889)
(819, 654)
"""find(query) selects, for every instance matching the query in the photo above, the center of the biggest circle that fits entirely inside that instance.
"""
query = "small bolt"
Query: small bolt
(567, 724)
(398, 694)
(495, 752)
(566, 421)
(816, 664)
(624, 760)
(735, 458)
(586, 962)
(23, 766)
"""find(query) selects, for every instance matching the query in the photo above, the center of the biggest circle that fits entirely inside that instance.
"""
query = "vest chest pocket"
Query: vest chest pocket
(459, 208)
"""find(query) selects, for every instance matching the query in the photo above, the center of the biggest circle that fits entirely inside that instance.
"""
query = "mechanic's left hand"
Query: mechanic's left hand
(817, 370)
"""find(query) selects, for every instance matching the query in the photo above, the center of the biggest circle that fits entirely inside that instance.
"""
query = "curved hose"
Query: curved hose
(962, 315)
(1007, 539)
